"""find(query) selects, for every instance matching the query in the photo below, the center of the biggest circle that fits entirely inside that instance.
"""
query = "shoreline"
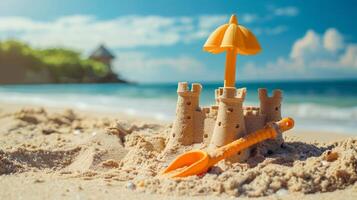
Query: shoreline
(11, 107)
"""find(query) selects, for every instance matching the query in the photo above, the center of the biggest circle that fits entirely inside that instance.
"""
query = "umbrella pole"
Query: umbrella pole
(230, 72)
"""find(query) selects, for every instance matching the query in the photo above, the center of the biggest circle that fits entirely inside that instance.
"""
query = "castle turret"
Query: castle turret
(217, 94)
(230, 123)
(187, 105)
(271, 108)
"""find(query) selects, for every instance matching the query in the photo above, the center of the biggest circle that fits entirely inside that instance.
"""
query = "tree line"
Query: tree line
(20, 63)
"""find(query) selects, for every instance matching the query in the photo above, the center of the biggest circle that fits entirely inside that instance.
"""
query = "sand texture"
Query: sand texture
(73, 155)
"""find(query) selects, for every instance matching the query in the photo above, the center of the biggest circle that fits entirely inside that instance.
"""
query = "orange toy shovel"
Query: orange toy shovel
(197, 161)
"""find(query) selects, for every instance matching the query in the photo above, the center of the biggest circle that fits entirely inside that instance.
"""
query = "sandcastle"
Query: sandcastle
(226, 120)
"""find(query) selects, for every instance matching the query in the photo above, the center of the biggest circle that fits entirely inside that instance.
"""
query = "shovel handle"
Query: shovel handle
(268, 132)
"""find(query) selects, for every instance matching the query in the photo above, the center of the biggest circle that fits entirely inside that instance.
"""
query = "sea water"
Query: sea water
(315, 105)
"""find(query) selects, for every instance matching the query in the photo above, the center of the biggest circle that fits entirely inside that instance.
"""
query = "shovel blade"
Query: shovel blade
(188, 164)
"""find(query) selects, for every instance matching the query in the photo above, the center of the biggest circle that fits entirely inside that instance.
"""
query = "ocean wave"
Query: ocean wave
(159, 108)
(315, 111)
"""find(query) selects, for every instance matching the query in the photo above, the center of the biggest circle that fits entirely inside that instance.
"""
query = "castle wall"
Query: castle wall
(198, 123)
(254, 120)
(209, 123)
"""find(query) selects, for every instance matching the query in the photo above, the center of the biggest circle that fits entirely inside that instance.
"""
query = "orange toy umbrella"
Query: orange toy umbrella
(235, 39)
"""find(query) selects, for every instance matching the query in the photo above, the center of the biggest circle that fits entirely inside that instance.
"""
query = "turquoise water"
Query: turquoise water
(316, 105)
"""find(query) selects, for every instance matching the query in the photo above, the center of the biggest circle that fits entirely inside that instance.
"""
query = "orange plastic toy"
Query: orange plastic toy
(235, 39)
(197, 161)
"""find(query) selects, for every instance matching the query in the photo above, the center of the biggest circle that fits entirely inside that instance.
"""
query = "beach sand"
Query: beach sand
(56, 153)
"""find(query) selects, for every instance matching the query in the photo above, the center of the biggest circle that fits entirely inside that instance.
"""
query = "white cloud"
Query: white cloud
(142, 66)
(289, 11)
(326, 50)
(311, 55)
(205, 25)
(211, 21)
(249, 18)
(272, 13)
(270, 30)
(308, 45)
(349, 58)
(332, 40)
(142, 60)
(282, 68)
(85, 31)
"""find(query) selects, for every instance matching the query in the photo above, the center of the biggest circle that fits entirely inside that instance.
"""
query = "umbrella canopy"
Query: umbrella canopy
(234, 39)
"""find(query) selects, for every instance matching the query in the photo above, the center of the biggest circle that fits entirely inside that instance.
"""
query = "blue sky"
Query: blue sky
(161, 40)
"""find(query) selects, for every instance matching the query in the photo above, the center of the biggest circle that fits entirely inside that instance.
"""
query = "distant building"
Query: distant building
(102, 54)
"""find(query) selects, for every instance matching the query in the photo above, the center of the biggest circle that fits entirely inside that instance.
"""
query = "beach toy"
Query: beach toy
(234, 39)
(197, 161)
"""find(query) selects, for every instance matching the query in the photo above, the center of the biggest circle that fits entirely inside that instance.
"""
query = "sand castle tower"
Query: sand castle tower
(271, 108)
(230, 123)
(183, 130)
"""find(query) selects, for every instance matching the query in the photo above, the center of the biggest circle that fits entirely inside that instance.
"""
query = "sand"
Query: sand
(48, 153)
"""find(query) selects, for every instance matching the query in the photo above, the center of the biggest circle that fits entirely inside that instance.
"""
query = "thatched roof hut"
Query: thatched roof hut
(102, 54)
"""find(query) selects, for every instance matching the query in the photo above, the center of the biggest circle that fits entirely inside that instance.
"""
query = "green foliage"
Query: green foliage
(63, 65)
(14, 53)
